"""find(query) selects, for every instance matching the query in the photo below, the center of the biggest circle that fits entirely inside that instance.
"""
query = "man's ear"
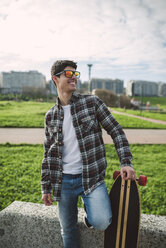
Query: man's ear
(55, 80)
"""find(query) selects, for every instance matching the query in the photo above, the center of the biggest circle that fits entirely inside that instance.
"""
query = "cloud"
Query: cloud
(115, 35)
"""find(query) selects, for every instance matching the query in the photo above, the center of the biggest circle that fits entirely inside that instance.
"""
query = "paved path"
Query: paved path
(36, 136)
(139, 117)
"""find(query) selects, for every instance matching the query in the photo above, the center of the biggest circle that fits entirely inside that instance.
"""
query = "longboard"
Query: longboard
(123, 232)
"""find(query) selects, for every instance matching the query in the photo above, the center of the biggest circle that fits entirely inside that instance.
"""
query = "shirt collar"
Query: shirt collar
(74, 98)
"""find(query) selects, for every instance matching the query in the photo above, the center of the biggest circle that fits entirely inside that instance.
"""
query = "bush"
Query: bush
(34, 92)
(124, 102)
(27, 97)
(9, 97)
(108, 97)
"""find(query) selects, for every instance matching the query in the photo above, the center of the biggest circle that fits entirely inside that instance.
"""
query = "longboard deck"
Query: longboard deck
(123, 232)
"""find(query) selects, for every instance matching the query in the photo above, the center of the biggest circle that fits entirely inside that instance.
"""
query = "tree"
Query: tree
(124, 101)
(108, 96)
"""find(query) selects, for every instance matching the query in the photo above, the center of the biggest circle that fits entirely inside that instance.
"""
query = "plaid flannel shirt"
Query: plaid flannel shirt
(88, 113)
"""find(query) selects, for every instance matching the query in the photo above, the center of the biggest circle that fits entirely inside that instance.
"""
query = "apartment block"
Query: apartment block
(16, 81)
(116, 85)
(142, 88)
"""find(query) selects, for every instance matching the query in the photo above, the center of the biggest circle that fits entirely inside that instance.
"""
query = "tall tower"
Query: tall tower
(90, 66)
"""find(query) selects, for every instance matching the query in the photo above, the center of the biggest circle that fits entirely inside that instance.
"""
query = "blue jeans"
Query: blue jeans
(97, 205)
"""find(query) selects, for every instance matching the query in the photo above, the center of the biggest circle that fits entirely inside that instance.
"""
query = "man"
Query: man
(74, 162)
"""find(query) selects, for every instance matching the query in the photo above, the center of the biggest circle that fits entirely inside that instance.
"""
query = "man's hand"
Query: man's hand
(128, 172)
(47, 199)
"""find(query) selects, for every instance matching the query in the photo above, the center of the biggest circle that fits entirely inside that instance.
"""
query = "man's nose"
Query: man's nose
(73, 76)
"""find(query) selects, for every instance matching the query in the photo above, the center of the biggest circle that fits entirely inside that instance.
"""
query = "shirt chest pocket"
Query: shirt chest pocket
(89, 124)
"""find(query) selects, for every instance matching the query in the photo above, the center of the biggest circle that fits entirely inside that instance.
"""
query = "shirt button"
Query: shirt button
(60, 129)
(60, 156)
(60, 143)
(61, 117)
(60, 181)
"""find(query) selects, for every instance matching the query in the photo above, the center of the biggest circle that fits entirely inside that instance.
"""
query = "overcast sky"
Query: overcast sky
(123, 39)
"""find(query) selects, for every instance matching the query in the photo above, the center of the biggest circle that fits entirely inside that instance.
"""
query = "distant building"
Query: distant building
(116, 85)
(142, 88)
(79, 85)
(15, 82)
(162, 89)
(52, 88)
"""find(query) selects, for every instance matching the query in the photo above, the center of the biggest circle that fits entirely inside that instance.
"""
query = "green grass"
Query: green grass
(131, 122)
(20, 167)
(31, 114)
(157, 116)
(23, 114)
(20, 173)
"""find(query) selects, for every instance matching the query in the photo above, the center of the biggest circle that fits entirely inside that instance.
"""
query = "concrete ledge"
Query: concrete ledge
(30, 225)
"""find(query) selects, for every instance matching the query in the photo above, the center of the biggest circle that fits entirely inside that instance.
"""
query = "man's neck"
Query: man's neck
(64, 97)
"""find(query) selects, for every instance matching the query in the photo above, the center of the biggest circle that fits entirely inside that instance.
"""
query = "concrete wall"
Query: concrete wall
(30, 225)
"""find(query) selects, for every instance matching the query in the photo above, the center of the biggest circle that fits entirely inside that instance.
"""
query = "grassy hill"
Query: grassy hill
(31, 114)
(153, 101)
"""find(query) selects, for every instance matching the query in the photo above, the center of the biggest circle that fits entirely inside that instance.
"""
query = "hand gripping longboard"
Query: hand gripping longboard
(123, 232)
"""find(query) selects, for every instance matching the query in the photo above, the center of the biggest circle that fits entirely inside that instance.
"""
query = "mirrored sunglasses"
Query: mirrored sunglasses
(69, 73)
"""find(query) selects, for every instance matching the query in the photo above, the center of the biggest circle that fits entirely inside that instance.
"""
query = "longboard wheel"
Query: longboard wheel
(116, 174)
(142, 180)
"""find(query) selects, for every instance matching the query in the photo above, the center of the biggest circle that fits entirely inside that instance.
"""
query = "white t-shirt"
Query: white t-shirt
(71, 156)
